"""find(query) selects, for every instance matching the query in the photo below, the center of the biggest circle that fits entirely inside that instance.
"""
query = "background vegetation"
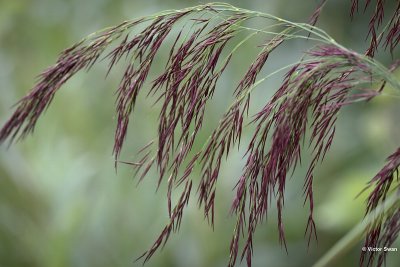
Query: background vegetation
(61, 202)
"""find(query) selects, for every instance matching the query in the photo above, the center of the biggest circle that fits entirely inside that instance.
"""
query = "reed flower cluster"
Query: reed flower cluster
(327, 77)
(381, 35)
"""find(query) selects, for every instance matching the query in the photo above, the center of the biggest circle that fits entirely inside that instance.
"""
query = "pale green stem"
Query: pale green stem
(357, 233)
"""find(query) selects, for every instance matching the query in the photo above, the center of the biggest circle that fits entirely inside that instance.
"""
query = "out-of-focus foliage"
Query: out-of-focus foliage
(63, 204)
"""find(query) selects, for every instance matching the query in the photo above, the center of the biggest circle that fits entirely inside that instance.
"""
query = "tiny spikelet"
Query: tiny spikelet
(317, 12)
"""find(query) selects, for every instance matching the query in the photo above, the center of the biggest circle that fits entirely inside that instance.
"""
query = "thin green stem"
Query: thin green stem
(357, 233)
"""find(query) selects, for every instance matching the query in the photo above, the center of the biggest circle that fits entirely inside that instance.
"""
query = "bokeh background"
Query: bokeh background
(62, 202)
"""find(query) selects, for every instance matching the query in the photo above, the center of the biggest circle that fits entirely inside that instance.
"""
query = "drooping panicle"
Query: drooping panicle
(312, 93)
(81, 56)
(386, 230)
(144, 47)
(188, 82)
(388, 35)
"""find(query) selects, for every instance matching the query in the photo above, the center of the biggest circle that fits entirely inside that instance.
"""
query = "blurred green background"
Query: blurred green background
(63, 204)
